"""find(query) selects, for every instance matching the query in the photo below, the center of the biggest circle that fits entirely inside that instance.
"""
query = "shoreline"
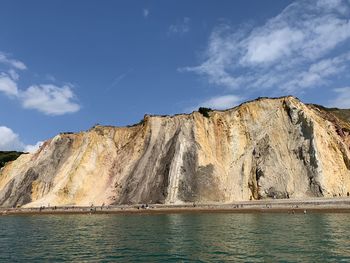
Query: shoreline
(315, 205)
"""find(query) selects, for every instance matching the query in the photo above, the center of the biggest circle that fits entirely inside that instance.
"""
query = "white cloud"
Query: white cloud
(333, 4)
(219, 55)
(10, 141)
(294, 50)
(12, 62)
(13, 74)
(270, 46)
(49, 99)
(46, 98)
(145, 12)
(218, 103)
(319, 72)
(8, 85)
(181, 27)
(222, 102)
(33, 148)
(342, 100)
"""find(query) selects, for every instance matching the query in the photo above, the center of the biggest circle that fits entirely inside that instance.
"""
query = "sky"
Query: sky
(68, 65)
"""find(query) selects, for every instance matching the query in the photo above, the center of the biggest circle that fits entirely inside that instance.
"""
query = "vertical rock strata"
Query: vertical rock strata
(267, 148)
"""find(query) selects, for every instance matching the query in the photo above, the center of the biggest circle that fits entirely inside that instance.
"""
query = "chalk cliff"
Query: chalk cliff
(265, 148)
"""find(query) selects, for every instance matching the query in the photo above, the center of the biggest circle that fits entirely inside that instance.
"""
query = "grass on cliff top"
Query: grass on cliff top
(8, 156)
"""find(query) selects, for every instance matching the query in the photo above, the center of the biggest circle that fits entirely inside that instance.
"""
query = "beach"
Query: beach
(329, 205)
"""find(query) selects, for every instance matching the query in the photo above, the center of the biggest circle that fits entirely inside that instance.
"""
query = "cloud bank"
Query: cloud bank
(10, 141)
(305, 46)
(12, 62)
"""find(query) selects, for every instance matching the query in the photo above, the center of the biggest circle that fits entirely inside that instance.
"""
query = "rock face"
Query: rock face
(267, 148)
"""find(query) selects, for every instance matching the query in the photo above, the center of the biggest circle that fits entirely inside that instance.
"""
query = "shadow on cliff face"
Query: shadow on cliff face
(268, 177)
(264, 157)
(199, 183)
(149, 178)
(19, 190)
(23, 189)
(307, 151)
(308, 154)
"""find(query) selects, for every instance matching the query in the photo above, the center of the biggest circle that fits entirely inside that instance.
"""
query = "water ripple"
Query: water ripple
(176, 237)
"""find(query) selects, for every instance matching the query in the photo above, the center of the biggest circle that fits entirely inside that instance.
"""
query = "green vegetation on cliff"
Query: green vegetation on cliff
(205, 111)
(8, 156)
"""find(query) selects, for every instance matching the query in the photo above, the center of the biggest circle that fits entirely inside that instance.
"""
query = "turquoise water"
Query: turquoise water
(176, 237)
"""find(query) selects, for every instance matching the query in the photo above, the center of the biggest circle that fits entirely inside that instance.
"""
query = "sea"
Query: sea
(182, 237)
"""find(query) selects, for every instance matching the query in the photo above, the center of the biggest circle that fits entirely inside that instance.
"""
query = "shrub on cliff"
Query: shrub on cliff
(204, 111)
(141, 122)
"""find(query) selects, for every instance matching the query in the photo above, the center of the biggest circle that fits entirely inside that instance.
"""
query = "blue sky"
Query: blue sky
(67, 65)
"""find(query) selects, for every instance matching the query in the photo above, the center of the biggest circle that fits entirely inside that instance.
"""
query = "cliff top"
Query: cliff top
(342, 114)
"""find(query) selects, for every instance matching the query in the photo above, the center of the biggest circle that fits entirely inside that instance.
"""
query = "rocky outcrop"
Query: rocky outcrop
(267, 148)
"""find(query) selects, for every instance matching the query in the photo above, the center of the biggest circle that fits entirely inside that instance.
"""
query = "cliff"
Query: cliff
(267, 148)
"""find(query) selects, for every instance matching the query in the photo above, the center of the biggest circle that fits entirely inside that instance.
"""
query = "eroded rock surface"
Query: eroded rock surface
(267, 148)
